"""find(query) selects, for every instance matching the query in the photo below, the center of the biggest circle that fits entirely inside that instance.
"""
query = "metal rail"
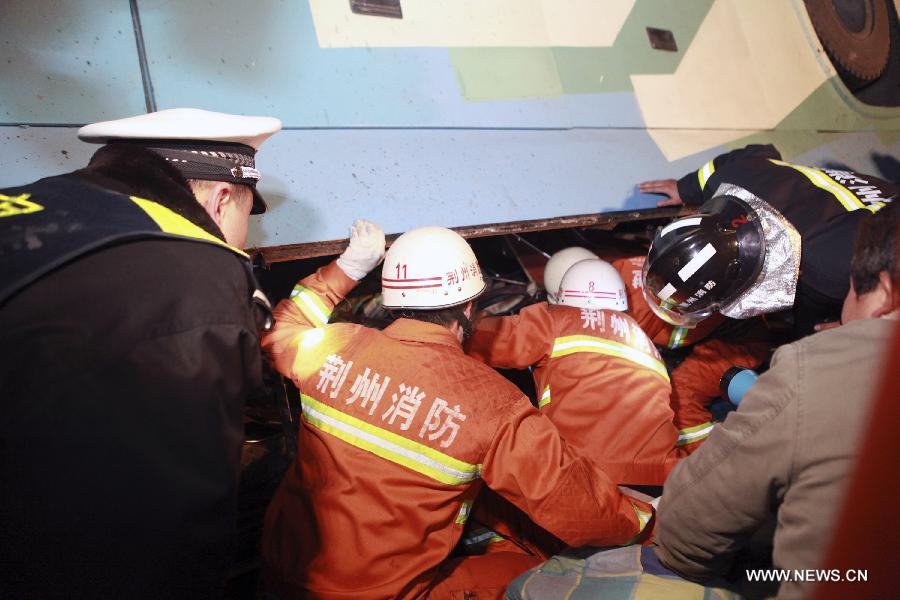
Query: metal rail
(149, 96)
(275, 254)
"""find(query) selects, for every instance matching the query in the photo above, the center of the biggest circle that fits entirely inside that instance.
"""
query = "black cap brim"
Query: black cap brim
(259, 205)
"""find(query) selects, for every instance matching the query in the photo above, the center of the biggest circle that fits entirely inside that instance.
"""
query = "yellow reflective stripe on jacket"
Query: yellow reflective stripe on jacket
(705, 173)
(585, 343)
(388, 445)
(694, 434)
(171, 222)
(310, 305)
(819, 179)
(643, 518)
(677, 337)
(545, 398)
(464, 512)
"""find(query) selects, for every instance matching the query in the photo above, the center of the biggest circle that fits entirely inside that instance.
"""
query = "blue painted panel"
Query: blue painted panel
(30, 153)
(269, 62)
(317, 182)
(68, 62)
(409, 178)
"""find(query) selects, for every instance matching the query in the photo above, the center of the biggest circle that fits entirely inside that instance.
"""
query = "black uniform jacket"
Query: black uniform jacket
(123, 376)
(825, 205)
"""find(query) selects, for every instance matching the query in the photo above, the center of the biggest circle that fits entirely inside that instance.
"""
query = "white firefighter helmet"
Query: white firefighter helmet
(430, 268)
(557, 266)
(593, 283)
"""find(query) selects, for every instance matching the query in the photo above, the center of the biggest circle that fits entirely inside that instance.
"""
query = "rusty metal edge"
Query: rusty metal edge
(275, 254)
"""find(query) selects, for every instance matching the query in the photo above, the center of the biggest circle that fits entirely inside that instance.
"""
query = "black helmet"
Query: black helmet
(698, 264)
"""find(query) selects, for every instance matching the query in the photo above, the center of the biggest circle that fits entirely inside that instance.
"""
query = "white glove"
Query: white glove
(365, 251)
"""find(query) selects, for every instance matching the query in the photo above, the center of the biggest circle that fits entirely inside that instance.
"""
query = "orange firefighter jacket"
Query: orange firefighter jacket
(399, 431)
(599, 379)
(695, 382)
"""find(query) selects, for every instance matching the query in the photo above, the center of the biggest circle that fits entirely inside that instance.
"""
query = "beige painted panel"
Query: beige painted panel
(473, 23)
(587, 23)
(678, 143)
(749, 66)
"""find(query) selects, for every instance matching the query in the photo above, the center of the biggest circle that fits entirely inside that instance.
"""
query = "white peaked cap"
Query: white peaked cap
(184, 124)
(199, 143)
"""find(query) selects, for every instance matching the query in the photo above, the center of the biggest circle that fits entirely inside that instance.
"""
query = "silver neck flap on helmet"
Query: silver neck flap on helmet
(776, 285)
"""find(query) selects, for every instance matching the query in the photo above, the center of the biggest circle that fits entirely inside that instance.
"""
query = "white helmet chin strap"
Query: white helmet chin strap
(776, 285)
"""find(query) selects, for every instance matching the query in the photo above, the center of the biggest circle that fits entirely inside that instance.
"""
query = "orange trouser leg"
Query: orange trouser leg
(480, 577)
(695, 382)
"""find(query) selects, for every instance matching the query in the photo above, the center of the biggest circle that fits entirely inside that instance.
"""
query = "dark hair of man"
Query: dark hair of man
(875, 248)
(444, 316)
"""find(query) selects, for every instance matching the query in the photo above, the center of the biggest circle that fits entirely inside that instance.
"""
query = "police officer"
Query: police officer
(770, 235)
(130, 322)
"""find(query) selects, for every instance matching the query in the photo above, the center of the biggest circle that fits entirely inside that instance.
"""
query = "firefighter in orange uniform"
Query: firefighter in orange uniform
(695, 382)
(598, 376)
(400, 430)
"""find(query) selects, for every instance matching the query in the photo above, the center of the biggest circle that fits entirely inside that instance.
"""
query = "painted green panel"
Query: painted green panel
(507, 73)
(593, 70)
(830, 104)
